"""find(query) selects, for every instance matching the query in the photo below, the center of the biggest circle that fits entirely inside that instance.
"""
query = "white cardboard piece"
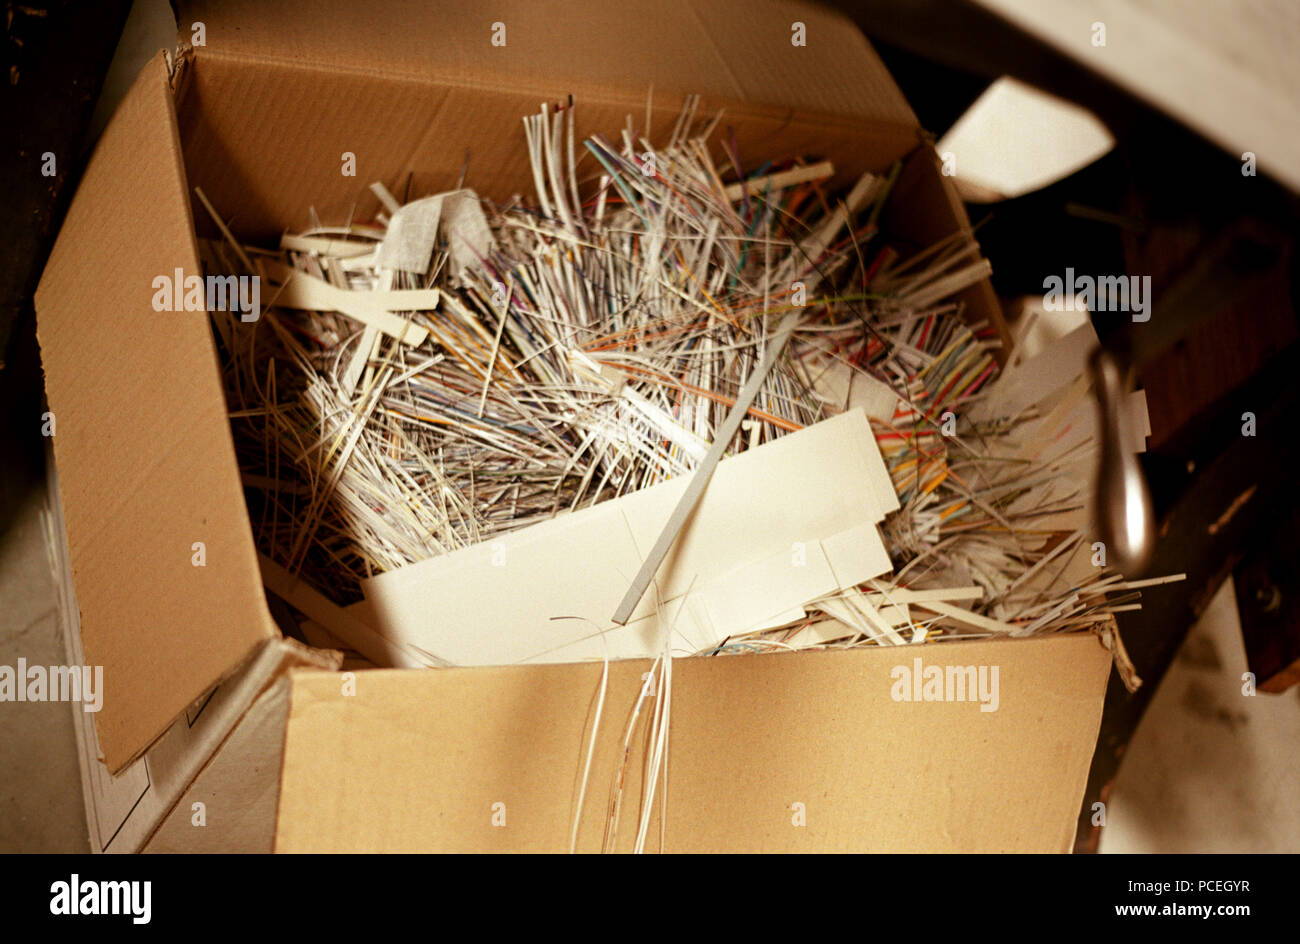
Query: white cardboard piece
(779, 526)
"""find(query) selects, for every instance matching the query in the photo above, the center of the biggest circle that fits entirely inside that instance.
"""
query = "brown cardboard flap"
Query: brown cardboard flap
(142, 442)
(279, 92)
(420, 760)
(734, 50)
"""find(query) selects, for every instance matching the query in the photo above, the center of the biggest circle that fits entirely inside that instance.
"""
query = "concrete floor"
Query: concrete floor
(1208, 771)
(40, 783)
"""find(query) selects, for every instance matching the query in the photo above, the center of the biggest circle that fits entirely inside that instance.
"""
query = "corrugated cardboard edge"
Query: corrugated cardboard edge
(144, 452)
(239, 785)
(420, 761)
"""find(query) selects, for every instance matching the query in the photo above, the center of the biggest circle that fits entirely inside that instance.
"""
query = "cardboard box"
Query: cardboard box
(198, 680)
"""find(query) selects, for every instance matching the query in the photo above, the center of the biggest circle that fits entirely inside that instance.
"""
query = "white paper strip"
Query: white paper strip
(303, 291)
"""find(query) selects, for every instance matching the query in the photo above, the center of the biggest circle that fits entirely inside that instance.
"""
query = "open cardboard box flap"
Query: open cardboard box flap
(738, 51)
(488, 759)
(142, 438)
